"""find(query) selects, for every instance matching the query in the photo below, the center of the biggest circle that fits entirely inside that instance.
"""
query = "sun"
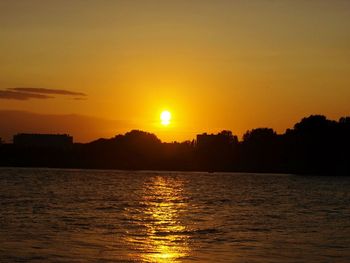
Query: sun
(165, 117)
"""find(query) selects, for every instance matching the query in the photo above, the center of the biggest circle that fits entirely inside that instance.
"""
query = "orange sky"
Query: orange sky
(214, 64)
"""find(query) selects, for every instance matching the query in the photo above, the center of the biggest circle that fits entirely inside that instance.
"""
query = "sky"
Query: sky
(112, 66)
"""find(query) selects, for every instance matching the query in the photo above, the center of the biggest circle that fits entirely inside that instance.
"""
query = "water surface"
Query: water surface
(50, 215)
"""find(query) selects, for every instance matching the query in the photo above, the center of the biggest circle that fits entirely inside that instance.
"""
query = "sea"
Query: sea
(60, 215)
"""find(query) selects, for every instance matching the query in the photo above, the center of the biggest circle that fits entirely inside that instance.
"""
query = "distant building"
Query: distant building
(43, 140)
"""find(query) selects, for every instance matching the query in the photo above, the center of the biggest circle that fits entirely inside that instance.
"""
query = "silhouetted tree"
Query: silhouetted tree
(260, 150)
(216, 151)
(259, 135)
(313, 145)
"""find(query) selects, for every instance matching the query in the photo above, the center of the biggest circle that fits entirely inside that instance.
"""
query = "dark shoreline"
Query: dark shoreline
(315, 146)
(169, 171)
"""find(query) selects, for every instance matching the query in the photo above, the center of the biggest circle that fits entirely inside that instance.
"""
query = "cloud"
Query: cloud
(27, 93)
(14, 95)
(48, 91)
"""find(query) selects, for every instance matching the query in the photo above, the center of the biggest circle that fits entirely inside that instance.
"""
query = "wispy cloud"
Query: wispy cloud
(15, 95)
(27, 93)
(48, 91)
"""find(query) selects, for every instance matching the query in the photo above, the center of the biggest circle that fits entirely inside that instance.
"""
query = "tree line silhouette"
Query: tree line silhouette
(315, 145)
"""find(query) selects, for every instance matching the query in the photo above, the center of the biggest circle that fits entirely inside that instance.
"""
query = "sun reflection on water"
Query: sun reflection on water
(165, 238)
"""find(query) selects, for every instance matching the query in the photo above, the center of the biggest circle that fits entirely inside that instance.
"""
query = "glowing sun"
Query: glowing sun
(165, 117)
